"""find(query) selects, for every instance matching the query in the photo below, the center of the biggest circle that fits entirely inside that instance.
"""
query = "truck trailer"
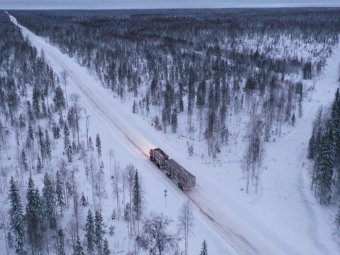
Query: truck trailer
(184, 179)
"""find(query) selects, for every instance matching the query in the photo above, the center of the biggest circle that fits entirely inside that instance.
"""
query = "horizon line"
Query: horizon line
(259, 6)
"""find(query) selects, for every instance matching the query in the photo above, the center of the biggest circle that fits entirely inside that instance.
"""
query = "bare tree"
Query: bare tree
(75, 104)
(253, 154)
(129, 177)
(186, 222)
(92, 168)
(62, 168)
(87, 128)
(76, 211)
(116, 178)
(155, 237)
(3, 139)
(64, 77)
(100, 185)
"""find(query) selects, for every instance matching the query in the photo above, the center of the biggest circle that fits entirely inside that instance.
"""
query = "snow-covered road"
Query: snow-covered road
(242, 232)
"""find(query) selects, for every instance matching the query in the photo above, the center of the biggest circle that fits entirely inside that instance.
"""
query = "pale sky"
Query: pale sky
(155, 4)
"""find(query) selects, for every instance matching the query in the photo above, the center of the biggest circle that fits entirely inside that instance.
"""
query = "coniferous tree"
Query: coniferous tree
(60, 192)
(24, 160)
(106, 249)
(33, 215)
(337, 218)
(44, 110)
(9, 239)
(180, 97)
(335, 121)
(61, 120)
(41, 143)
(30, 112)
(91, 148)
(16, 218)
(78, 249)
(134, 107)
(69, 153)
(59, 100)
(137, 197)
(127, 212)
(36, 103)
(153, 90)
(147, 104)
(83, 200)
(191, 90)
(201, 94)
(311, 148)
(90, 232)
(47, 146)
(49, 201)
(30, 133)
(55, 130)
(174, 123)
(204, 250)
(98, 146)
(324, 168)
(168, 101)
(99, 231)
(39, 165)
(67, 141)
(307, 71)
(164, 119)
(60, 242)
(293, 120)
(289, 105)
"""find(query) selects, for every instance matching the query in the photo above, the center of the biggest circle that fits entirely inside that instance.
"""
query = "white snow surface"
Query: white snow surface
(283, 218)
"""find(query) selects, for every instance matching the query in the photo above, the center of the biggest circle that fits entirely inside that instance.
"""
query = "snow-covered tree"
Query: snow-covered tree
(33, 216)
(99, 231)
(60, 242)
(137, 197)
(90, 232)
(78, 249)
(204, 249)
(16, 218)
(49, 201)
(155, 236)
(106, 249)
(324, 169)
(60, 192)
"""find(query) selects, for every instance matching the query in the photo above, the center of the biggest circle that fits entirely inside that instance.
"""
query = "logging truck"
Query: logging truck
(184, 179)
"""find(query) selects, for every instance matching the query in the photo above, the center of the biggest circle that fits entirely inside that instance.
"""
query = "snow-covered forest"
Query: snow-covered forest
(209, 67)
(45, 157)
(221, 89)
